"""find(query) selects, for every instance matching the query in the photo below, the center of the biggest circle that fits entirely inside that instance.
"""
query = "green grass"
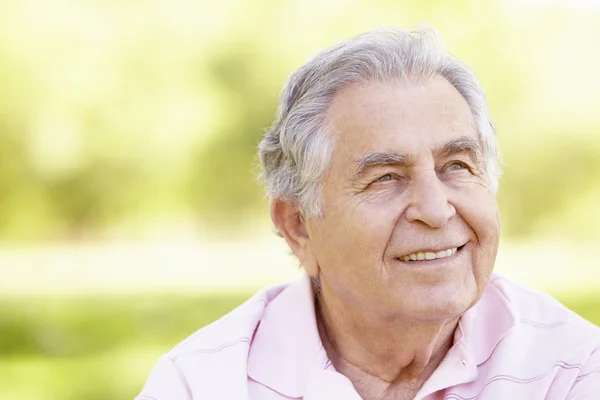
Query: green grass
(103, 348)
(71, 327)
(94, 348)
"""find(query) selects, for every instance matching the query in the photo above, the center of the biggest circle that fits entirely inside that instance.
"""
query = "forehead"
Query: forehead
(397, 116)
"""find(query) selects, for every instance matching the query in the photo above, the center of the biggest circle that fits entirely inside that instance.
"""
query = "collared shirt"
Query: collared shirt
(515, 343)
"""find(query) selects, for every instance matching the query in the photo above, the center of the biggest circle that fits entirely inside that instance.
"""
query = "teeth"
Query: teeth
(429, 255)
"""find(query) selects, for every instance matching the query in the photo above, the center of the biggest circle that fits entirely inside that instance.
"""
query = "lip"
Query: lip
(445, 260)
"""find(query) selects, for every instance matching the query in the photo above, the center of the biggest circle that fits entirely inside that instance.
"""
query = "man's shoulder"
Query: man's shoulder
(206, 363)
(230, 331)
(539, 311)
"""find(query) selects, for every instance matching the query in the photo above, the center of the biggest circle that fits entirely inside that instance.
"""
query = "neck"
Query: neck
(390, 349)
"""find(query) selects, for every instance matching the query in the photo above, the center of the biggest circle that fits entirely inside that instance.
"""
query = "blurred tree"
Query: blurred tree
(90, 198)
(14, 168)
(223, 183)
(543, 178)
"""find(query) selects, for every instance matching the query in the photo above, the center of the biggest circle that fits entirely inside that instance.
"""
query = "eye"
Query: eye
(385, 178)
(456, 166)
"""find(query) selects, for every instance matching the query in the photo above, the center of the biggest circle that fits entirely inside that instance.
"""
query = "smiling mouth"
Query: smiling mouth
(430, 255)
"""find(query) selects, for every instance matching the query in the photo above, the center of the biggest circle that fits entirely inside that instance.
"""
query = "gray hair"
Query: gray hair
(296, 151)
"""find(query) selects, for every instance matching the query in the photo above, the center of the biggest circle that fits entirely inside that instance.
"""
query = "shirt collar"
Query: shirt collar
(483, 326)
(286, 346)
(287, 349)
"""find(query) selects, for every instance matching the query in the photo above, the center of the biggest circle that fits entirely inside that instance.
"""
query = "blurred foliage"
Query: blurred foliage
(103, 347)
(547, 178)
(64, 328)
(117, 113)
(223, 181)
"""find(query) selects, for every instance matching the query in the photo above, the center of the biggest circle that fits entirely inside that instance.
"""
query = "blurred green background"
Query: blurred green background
(129, 211)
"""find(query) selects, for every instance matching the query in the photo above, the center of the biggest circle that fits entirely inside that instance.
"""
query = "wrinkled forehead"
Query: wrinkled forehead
(398, 116)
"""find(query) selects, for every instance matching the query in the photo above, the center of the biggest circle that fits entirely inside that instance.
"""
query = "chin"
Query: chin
(442, 305)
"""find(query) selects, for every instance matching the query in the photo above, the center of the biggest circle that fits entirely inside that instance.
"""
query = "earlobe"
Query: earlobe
(288, 221)
(291, 225)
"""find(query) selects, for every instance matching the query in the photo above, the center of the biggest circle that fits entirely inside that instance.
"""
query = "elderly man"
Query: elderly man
(382, 167)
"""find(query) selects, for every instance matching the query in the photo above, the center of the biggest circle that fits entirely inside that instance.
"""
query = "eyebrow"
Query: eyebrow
(463, 144)
(378, 159)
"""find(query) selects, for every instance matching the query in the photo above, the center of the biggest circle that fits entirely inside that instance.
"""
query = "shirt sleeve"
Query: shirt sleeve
(165, 383)
(587, 384)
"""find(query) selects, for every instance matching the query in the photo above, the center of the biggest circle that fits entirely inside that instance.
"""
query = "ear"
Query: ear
(289, 222)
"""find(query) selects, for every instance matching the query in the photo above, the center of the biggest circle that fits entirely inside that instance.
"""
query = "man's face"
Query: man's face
(405, 182)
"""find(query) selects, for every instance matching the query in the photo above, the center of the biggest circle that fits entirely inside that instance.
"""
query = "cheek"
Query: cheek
(479, 210)
(355, 234)
(477, 205)
(488, 221)
(375, 220)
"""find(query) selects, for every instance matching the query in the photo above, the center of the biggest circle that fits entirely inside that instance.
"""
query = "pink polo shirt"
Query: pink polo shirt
(514, 344)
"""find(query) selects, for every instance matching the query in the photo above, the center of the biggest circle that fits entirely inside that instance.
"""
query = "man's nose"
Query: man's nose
(429, 201)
